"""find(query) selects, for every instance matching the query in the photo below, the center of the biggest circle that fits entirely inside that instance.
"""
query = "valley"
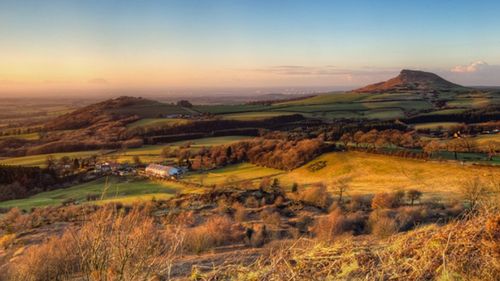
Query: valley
(221, 184)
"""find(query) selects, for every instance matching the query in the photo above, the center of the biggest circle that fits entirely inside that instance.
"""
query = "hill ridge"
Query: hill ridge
(411, 80)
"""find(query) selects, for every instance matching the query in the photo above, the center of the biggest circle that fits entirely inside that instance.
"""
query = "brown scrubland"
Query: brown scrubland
(259, 234)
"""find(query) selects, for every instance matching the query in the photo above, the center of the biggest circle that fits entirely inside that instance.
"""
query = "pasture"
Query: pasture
(151, 153)
(238, 173)
(252, 116)
(367, 173)
(40, 160)
(30, 136)
(150, 109)
(436, 125)
(371, 173)
(126, 190)
(152, 122)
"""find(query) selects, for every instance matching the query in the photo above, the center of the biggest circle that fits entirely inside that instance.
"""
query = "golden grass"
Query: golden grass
(462, 250)
(371, 173)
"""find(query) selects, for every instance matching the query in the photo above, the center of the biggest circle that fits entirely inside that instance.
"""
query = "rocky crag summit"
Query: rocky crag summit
(412, 80)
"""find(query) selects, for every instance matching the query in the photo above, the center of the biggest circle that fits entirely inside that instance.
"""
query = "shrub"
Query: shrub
(387, 200)
(317, 196)
(56, 259)
(408, 217)
(412, 195)
(279, 201)
(240, 213)
(271, 218)
(251, 202)
(360, 203)
(217, 231)
(382, 224)
(259, 236)
(111, 245)
(7, 240)
(303, 223)
(337, 223)
(14, 221)
(223, 206)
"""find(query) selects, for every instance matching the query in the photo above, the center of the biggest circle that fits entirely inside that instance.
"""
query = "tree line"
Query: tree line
(272, 153)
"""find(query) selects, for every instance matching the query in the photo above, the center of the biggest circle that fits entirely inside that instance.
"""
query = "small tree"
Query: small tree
(431, 147)
(474, 191)
(413, 195)
(345, 139)
(275, 186)
(341, 186)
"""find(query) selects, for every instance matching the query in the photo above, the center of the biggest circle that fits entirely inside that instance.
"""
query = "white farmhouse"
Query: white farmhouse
(162, 171)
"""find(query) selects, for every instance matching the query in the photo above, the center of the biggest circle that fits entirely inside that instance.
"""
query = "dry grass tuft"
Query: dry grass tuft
(217, 231)
(111, 245)
(462, 250)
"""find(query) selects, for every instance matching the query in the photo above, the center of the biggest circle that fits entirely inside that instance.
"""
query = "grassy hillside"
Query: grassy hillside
(251, 116)
(391, 104)
(369, 173)
(151, 122)
(151, 153)
(30, 136)
(120, 189)
(149, 109)
(372, 173)
(39, 160)
(230, 174)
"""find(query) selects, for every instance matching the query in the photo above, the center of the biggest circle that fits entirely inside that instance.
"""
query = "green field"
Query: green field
(436, 125)
(151, 122)
(40, 160)
(325, 99)
(151, 109)
(226, 109)
(119, 189)
(369, 173)
(30, 136)
(385, 106)
(252, 116)
(151, 153)
(234, 173)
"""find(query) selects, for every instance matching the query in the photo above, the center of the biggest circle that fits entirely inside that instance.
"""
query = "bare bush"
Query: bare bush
(475, 192)
(111, 245)
(240, 213)
(337, 223)
(56, 259)
(317, 196)
(251, 202)
(217, 231)
(461, 250)
(270, 217)
(387, 200)
(359, 203)
(382, 224)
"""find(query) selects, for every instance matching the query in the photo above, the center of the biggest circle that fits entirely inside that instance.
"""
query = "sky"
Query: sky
(93, 46)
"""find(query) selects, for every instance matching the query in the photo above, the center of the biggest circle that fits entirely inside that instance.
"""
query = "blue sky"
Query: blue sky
(175, 44)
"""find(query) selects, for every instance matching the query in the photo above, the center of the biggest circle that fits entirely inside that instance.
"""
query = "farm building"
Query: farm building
(162, 171)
